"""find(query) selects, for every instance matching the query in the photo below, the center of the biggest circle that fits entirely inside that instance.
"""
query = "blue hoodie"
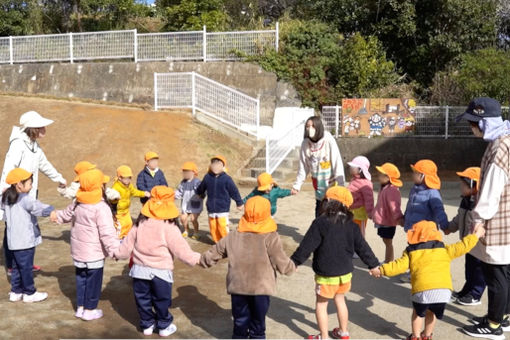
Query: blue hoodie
(220, 189)
(425, 204)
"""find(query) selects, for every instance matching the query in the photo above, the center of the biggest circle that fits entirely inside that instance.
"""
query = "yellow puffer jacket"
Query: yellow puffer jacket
(429, 263)
(126, 192)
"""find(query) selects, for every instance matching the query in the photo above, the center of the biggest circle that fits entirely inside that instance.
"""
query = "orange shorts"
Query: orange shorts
(329, 291)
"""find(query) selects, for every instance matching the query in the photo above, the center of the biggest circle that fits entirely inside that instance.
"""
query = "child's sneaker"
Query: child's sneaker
(15, 297)
(79, 312)
(483, 330)
(412, 337)
(425, 337)
(317, 337)
(36, 268)
(89, 315)
(337, 334)
(36, 297)
(168, 331)
(148, 331)
(468, 300)
(195, 236)
(185, 234)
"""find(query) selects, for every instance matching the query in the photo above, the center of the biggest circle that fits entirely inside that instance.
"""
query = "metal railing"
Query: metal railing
(279, 145)
(129, 44)
(429, 121)
(193, 91)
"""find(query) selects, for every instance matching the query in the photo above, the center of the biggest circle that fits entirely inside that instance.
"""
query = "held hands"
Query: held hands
(294, 191)
(147, 194)
(53, 216)
(240, 208)
(479, 230)
(375, 272)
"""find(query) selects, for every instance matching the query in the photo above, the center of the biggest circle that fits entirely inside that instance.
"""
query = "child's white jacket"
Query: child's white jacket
(70, 192)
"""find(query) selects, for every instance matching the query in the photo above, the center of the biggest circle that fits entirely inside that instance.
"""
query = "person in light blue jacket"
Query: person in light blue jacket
(425, 201)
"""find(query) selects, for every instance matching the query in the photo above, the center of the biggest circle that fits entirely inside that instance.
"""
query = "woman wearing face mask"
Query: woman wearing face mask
(319, 157)
(24, 152)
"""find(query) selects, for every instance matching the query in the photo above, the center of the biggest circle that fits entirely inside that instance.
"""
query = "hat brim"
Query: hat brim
(469, 117)
(38, 123)
(366, 173)
(396, 182)
(266, 226)
(169, 213)
(264, 187)
(433, 182)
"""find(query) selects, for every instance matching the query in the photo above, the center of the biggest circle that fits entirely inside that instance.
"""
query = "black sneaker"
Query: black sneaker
(483, 330)
(505, 324)
(468, 300)
(455, 296)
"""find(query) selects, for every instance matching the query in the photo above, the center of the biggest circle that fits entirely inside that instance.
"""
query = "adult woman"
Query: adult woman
(24, 152)
(321, 158)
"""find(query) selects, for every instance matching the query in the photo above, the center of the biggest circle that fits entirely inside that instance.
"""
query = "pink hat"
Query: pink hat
(363, 163)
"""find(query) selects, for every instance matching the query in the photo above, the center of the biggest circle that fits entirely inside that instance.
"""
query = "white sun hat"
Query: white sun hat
(362, 163)
(32, 119)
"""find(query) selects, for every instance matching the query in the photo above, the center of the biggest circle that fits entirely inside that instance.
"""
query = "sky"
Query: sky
(145, 1)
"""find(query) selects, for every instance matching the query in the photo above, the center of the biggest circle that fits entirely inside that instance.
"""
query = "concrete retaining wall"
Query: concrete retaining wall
(129, 82)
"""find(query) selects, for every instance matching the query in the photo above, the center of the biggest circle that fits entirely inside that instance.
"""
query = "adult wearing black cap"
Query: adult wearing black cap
(492, 210)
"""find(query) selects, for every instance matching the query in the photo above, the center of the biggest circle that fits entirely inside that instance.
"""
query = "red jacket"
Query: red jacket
(387, 210)
(363, 194)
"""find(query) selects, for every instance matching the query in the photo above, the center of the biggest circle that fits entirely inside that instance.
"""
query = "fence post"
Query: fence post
(204, 43)
(277, 43)
(11, 59)
(267, 154)
(258, 116)
(135, 45)
(155, 91)
(337, 120)
(447, 114)
(193, 94)
(71, 52)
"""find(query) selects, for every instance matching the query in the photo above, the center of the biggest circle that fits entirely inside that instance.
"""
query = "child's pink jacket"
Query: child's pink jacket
(387, 210)
(155, 243)
(363, 194)
(93, 235)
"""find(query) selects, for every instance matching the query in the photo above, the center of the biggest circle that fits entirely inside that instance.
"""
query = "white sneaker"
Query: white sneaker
(15, 297)
(94, 314)
(168, 331)
(36, 297)
(148, 331)
(79, 312)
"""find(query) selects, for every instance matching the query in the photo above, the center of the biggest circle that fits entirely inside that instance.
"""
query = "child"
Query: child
(151, 175)
(425, 201)
(387, 213)
(70, 191)
(220, 190)
(126, 190)
(268, 188)
(429, 259)
(191, 203)
(153, 243)
(362, 192)
(472, 291)
(92, 238)
(333, 238)
(255, 253)
(23, 234)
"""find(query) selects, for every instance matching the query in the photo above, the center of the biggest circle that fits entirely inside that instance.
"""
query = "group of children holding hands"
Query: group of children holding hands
(101, 227)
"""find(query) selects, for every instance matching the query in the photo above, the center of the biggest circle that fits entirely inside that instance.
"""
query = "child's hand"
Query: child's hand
(240, 208)
(375, 272)
(147, 194)
(53, 216)
(294, 191)
(479, 230)
(446, 231)
(401, 222)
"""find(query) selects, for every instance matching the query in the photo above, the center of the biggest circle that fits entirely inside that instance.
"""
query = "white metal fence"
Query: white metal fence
(430, 121)
(196, 92)
(279, 145)
(128, 44)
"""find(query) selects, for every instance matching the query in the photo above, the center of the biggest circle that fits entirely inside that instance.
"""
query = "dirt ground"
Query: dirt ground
(110, 136)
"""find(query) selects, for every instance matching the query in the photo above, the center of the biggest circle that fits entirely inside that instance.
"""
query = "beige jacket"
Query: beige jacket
(253, 260)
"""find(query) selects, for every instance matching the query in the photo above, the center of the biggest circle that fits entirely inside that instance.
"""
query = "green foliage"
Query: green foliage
(194, 14)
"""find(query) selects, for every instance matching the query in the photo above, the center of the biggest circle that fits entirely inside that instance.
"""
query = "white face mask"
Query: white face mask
(311, 132)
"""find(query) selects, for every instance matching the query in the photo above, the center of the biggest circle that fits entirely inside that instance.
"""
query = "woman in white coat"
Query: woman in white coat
(24, 152)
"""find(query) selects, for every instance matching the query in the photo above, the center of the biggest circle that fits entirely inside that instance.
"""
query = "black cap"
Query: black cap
(479, 108)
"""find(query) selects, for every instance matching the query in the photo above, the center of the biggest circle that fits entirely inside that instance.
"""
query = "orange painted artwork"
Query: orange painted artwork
(374, 117)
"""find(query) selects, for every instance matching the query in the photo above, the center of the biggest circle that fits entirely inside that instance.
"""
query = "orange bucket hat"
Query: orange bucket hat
(150, 155)
(264, 181)
(257, 216)
(161, 205)
(81, 167)
(429, 169)
(424, 231)
(91, 187)
(17, 175)
(221, 158)
(190, 166)
(392, 172)
(340, 194)
(124, 171)
(472, 173)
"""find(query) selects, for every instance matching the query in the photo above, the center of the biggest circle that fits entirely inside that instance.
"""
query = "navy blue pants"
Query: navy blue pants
(249, 312)
(318, 206)
(155, 293)
(7, 252)
(22, 279)
(88, 287)
(475, 280)
(498, 290)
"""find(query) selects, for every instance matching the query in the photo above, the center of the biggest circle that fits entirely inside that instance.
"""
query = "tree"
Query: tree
(193, 14)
